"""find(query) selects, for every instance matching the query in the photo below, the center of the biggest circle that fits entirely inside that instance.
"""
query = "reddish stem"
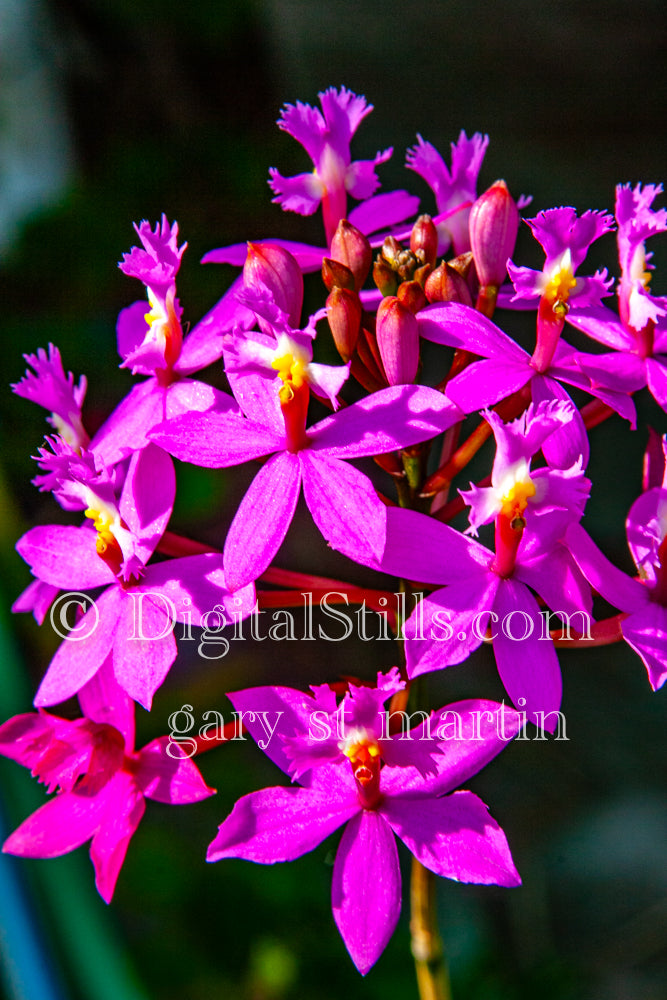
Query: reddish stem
(603, 633)
(595, 413)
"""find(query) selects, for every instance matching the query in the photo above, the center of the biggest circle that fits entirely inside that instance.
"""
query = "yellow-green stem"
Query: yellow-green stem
(427, 949)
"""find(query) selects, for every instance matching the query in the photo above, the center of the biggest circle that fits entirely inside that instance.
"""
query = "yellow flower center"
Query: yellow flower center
(291, 364)
(560, 283)
(363, 751)
(515, 501)
(106, 544)
(291, 368)
(638, 269)
(156, 314)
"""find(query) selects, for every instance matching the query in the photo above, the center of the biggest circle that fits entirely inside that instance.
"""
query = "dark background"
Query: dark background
(128, 109)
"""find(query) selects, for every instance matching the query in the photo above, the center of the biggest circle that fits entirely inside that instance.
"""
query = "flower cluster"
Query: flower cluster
(349, 746)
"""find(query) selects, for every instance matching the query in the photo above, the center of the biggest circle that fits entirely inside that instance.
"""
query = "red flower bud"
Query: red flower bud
(424, 240)
(336, 275)
(344, 314)
(411, 295)
(273, 267)
(385, 276)
(445, 284)
(494, 223)
(398, 340)
(350, 247)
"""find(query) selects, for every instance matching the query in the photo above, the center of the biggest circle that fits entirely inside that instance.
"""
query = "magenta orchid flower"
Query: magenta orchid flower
(358, 727)
(477, 588)
(341, 499)
(565, 240)
(546, 496)
(638, 335)
(279, 352)
(506, 368)
(326, 136)
(450, 834)
(471, 596)
(151, 343)
(455, 190)
(155, 343)
(48, 386)
(637, 221)
(643, 602)
(101, 781)
(131, 620)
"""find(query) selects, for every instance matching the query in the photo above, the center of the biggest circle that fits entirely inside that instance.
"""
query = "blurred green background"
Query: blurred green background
(112, 111)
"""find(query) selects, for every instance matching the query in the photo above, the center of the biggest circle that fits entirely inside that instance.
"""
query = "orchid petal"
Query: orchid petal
(656, 375)
(22, 737)
(457, 325)
(366, 888)
(569, 444)
(262, 520)
(83, 652)
(61, 825)
(646, 632)
(37, 598)
(148, 498)
(204, 344)
(386, 209)
(144, 649)
(191, 586)
(301, 193)
(292, 709)
(619, 589)
(361, 181)
(125, 430)
(308, 257)
(124, 807)
(449, 624)
(528, 665)
(281, 824)
(216, 440)
(64, 557)
(483, 383)
(469, 734)
(384, 421)
(103, 700)
(622, 372)
(602, 325)
(422, 549)
(555, 576)
(454, 837)
(344, 506)
(166, 779)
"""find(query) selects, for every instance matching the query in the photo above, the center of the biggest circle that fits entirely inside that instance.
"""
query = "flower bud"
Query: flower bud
(274, 268)
(344, 312)
(398, 340)
(424, 240)
(411, 295)
(384, 276)
(494, 223)
(445, 284)
(350, 247)
(464, 265)
(336, 275)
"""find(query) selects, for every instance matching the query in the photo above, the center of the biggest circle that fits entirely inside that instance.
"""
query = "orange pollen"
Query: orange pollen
(516, 499)
(291, 368)
(106, 543)
(560, 283)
